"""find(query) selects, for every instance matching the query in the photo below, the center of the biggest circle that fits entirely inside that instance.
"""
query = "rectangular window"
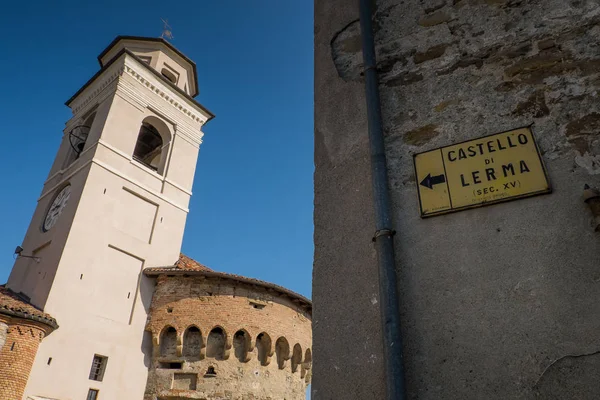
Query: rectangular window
(170, 365)
(97, 370)
(93, 394)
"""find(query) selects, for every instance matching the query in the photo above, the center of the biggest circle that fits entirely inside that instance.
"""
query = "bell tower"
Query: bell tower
(115, 202)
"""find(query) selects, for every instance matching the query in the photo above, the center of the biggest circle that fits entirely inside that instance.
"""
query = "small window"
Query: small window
(170, 365)
(145, 59)
(98, 368)
(92, 394)
(210, 373)
(172, 77)
(257, 305)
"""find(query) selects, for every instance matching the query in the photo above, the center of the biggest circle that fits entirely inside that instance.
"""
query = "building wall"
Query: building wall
(183, 302)
(16, 355)
(497, 302)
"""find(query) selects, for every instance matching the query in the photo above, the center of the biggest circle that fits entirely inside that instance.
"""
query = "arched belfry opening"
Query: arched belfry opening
(152, 144)
(148, 146)
(78, 138)
(79, 144)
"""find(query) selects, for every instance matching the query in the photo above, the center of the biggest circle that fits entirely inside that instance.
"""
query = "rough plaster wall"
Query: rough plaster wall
(498, 302)
(3, 333)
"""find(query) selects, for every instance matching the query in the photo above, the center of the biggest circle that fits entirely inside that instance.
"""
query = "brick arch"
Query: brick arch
(296, 357)
(306, 365)
(167, 341)
(192, 342)
(264, 347)
(242, 345)
(216, 343)
(282, 351)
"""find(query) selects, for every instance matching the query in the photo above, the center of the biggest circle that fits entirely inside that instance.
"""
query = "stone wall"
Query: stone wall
(218, 340)
(497, 302)
(17, 355)
(3, 333)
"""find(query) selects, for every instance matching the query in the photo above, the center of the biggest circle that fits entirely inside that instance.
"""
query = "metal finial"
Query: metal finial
(166, 33)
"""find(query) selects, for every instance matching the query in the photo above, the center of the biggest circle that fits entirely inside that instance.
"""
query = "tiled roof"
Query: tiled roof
(16, 306)
(188, 266)
(186, 263)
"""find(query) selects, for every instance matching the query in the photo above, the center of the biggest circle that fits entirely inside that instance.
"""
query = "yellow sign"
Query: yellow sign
(483, 171)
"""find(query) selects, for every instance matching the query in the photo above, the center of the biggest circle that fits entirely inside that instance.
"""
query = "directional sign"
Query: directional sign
(429, 180)
(491, 169)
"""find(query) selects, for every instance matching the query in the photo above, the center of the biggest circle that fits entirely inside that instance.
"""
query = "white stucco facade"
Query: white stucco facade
(121, 217)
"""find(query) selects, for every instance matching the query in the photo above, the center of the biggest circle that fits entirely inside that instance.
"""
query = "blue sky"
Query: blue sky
(251, 212)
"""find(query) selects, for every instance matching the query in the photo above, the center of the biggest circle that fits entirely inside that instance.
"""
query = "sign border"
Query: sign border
(484, 203)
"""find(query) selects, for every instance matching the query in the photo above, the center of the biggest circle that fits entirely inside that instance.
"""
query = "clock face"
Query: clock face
(57, 207)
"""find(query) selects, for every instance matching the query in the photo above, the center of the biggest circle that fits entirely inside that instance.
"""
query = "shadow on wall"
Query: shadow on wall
(146, 293)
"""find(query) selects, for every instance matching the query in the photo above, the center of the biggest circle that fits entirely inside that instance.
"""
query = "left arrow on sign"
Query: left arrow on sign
(429, 180)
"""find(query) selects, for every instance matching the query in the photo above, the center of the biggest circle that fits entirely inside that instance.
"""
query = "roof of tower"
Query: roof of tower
(188, 266)
(161, 42)
(105, 63)
(14, 305)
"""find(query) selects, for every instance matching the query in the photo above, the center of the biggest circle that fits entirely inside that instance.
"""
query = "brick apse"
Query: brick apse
(22, 328)
(223, 336)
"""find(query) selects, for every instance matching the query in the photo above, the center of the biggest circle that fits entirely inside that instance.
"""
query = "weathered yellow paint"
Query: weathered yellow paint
(436, 199)
(487, 170)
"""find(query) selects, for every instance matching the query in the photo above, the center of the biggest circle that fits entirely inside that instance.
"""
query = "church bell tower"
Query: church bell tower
(115, 202)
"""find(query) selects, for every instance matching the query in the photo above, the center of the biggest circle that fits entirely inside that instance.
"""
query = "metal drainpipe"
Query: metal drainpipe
(384, 242)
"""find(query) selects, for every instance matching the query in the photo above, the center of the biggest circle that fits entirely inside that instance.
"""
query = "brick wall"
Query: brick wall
(16, 357)
(181, 302)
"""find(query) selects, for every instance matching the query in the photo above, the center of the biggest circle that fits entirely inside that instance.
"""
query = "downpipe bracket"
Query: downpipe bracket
(383, 232)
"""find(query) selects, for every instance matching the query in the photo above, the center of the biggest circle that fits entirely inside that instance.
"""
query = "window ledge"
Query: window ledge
(145, 168)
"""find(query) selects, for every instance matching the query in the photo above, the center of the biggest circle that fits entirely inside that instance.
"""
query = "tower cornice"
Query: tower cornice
(167, 46)
(138, 69)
